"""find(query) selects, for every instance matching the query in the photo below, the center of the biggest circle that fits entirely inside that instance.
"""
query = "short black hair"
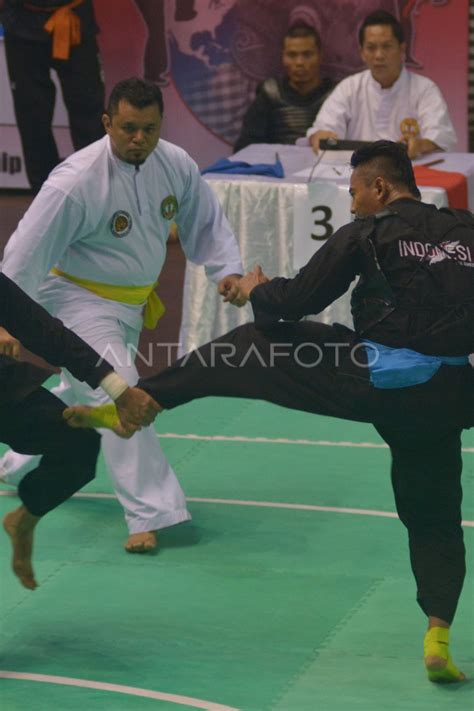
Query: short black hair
(389, 160)
(301, 29)
(138, 92)
(381, 17)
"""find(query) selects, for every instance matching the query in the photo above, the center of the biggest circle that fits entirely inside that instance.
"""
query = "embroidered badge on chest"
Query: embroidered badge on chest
(410, 128)
(121, 223)
(169, 207)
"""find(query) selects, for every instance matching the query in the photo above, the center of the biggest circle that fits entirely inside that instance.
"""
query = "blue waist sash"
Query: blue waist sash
(402, 367)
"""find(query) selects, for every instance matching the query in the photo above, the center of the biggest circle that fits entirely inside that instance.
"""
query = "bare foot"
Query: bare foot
(141, 542)
(19, 525)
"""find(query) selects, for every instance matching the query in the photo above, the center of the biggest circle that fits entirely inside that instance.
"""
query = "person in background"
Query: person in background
(385, 101)
(52, 34)
(284, 108)
(92, 245)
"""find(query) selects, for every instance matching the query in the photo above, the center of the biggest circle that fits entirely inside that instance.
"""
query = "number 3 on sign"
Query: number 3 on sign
(321, 228)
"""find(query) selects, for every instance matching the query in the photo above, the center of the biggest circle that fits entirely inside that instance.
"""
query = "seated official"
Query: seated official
(284, 108)
(385, 101)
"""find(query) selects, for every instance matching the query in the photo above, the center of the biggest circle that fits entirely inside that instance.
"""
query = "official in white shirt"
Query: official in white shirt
(385, 101)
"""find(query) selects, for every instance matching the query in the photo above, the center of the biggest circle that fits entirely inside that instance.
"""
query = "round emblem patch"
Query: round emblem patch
(121, 223)
(169, 207)
(409, 128)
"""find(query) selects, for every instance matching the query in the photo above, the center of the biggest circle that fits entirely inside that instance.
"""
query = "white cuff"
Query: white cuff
(215, 274)
(114, 385)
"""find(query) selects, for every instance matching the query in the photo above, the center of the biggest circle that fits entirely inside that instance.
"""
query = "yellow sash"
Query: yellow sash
(154, 308)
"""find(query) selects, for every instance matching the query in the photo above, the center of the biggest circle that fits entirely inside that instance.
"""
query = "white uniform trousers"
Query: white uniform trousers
(144, 482)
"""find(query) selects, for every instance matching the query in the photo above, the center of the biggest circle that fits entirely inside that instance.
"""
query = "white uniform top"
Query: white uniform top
(359, 109)
(99, 218)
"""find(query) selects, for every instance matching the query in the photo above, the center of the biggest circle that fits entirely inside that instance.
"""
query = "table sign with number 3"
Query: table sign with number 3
(320, 208)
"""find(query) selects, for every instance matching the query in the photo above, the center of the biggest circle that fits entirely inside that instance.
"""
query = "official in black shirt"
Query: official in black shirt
(284, 108)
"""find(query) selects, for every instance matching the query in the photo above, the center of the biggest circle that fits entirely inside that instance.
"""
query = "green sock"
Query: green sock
(436, 645)
(104, 416)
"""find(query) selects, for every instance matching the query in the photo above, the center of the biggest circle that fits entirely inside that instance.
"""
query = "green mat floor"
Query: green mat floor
(245, 607)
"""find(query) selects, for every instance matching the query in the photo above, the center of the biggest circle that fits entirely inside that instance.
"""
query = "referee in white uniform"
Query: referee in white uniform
(91, 247)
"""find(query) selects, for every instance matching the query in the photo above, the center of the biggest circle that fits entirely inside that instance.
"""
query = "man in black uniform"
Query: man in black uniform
(285, 108)
(52, 34)
(31, 417)
(405, 367)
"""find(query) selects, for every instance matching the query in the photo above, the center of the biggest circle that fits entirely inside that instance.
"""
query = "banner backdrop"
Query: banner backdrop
(209, 55)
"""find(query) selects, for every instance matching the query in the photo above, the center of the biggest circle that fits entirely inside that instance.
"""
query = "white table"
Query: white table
(264, 213)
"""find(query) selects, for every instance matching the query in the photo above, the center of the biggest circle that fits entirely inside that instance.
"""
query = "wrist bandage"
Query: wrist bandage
(114, 385)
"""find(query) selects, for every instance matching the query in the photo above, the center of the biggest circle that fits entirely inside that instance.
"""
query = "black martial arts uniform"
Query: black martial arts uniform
(280, 114)
(416, 290)
(28, 49)
(30, 416)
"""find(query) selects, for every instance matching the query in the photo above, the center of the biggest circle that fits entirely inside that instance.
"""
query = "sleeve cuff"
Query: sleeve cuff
(114, 385)
(215, 274)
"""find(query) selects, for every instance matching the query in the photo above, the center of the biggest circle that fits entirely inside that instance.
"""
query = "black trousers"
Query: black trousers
(34, 93)
(322, 369)
(35, 426)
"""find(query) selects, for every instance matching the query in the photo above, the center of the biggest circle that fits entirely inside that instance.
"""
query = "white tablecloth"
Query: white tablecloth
(261, 212)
